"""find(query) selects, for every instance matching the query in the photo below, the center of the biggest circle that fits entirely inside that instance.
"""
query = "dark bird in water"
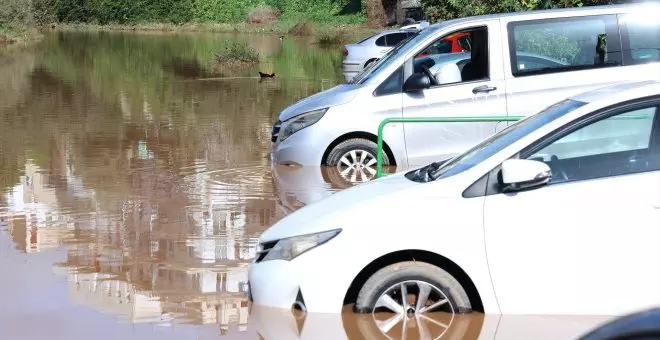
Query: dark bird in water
(265, 75)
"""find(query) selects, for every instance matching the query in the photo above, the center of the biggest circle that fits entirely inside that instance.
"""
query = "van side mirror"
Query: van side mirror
(522, 174)
(416, 82)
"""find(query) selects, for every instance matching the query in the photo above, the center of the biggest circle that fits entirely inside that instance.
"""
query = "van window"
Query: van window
(640, 38)
(451, 62)
(566, 44)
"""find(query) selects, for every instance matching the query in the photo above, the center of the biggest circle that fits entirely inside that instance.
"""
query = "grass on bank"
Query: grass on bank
(18, 36)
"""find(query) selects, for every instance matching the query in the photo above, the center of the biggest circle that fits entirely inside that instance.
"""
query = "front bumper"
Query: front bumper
(273, 284)
(303, 148)
(297, 284)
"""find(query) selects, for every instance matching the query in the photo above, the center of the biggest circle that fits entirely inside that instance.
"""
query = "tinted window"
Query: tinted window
(381, 41)
(582, 43)
(394, 39)
(616, 145)
(393, 84)
(640, 38)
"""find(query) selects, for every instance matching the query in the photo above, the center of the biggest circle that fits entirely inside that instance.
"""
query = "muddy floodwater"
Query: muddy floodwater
(135, 181)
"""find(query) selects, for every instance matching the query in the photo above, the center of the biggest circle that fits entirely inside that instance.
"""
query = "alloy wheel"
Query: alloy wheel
(418, 306)
(357, 166)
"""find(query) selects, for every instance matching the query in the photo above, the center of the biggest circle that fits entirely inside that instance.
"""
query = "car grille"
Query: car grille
(266, 247)
(275, 131)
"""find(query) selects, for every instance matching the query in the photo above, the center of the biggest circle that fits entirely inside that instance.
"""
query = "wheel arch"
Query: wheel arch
(358, 134)
(415, 255)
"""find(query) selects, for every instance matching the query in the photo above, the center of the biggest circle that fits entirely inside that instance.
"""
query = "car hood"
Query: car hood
(337, 95)
(317, 216)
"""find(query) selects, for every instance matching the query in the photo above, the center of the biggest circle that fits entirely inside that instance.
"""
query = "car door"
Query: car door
(477, 90)
(588, 242)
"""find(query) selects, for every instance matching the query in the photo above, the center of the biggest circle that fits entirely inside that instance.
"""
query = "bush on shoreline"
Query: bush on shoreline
(237, 54)
(332, 37)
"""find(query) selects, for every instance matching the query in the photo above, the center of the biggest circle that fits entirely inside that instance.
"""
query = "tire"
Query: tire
(389, 276)
(358, 145)
(368, 63)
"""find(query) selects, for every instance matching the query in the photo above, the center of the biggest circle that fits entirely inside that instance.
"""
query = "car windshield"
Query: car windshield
(504, 138)
(366, 73)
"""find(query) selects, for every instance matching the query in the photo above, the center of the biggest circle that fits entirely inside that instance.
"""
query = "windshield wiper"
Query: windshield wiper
(424, 174)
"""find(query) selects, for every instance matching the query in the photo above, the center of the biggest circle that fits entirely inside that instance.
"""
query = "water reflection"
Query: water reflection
(144, 166)
(278, 324)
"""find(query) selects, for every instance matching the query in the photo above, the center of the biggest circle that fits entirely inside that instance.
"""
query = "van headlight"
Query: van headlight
(288, 249)
(300, 122)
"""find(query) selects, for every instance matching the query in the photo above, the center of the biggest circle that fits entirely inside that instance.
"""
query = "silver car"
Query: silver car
(360, 55)
(519, 63)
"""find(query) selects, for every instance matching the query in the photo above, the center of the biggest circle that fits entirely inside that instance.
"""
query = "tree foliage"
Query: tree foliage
(438, 10)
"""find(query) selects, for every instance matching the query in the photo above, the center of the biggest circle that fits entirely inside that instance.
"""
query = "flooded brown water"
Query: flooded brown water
(135, 181)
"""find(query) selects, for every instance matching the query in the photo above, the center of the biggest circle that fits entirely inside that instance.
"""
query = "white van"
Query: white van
(518, 64)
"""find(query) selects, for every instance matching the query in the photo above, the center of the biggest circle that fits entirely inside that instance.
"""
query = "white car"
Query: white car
(558, 213)
(362, 54)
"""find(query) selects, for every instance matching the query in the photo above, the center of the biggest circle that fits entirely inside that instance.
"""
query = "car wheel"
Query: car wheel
(368, 63)
(355, 160)
(412, 289)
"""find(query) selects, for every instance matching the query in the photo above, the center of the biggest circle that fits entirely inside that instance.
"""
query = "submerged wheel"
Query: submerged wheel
(410, 290)
(355, 160)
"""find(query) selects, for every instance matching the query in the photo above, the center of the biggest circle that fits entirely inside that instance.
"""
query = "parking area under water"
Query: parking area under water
(135, 182)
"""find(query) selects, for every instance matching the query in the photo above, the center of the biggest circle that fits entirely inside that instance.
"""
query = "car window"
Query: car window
(640, 38)
(392, 85)
(584, 42)
(616, 145)
(505, 138)
(394, 39)
(381, 41)
(443, 61)
(366, 73)
(464, 43)
(526, 62)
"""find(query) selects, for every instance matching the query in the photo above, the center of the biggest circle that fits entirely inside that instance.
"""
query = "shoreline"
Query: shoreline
(11, 38)
(282, 28)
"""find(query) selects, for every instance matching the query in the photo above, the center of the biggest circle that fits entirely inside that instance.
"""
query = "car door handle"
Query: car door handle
(483, 89)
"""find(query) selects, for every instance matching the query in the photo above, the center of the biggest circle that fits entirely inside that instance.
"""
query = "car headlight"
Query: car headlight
(300, 122)
(288, 249)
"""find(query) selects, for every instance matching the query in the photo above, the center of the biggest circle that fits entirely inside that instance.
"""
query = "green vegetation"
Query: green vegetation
(202, 11)
(332, 37)
(237, 53)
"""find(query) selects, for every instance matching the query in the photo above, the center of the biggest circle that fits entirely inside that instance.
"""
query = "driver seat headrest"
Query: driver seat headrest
(448, 73)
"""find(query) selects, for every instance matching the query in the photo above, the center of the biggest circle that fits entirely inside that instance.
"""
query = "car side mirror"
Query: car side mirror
(523, 174)
(416, 82)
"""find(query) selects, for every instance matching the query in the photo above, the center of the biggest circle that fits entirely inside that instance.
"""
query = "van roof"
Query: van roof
(549, 12)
